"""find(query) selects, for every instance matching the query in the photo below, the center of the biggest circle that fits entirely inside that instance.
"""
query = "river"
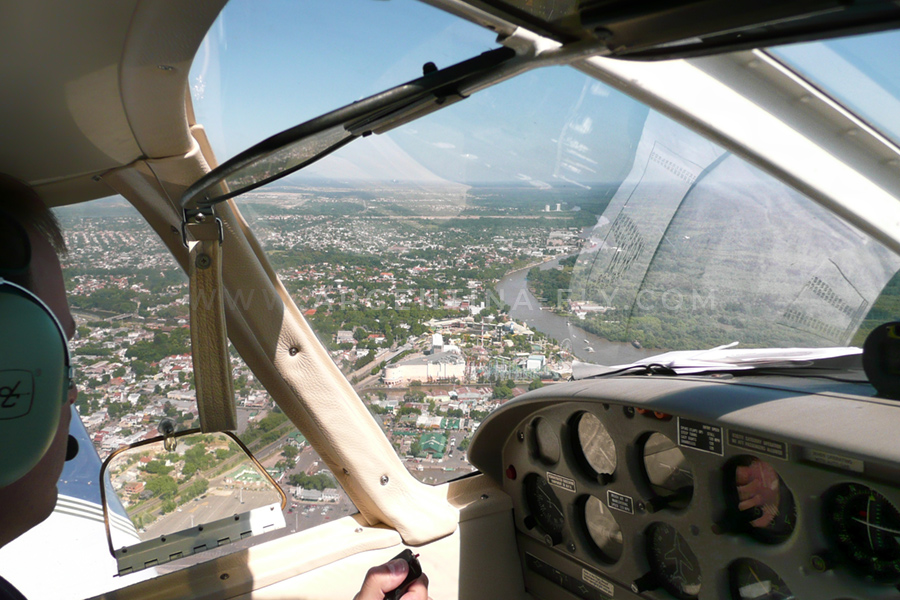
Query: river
(513, 290)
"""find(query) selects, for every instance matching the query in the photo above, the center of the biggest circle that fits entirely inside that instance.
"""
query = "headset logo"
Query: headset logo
(16, 392)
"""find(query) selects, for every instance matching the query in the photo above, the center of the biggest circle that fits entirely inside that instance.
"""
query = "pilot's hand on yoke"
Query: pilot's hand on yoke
(384, 578)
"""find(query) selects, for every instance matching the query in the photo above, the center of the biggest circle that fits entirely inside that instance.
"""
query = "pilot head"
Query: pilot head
(32, 287)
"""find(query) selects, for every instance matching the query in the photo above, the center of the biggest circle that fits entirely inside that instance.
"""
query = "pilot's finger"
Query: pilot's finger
(768, 493)
(748, 491)
(750, 503)
(418, 590)
(765, 520)
(382, 579)
(744, 475)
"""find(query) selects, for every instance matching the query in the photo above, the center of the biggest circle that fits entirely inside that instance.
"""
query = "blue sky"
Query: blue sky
(267, 66)
(271, 64)
(862, 72)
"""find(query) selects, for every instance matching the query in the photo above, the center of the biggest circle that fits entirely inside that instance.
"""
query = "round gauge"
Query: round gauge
(545, 507)
(603, 529)
(751, 580)
(595, 445)
(545, 440)
(865, 528)
(672, 561)
(668, 472)
(759, 501)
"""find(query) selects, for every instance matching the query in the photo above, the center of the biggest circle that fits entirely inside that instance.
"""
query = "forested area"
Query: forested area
(163, 344)
(264, 431)
(390, 322)
(716, 324)
(550, 285)
(320, 481)
(162, 287)
(303, 257)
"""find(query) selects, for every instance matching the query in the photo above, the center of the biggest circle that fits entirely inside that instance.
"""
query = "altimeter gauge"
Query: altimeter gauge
(864, 527)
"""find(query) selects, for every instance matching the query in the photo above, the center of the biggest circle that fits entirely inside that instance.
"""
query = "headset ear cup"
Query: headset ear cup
(34, 382)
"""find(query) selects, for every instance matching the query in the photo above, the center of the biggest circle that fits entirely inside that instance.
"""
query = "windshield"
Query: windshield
(466, 257)
(698, 249)
(306, 60)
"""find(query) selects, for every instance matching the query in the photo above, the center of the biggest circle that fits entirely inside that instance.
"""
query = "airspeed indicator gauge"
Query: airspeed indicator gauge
(668, 472)
(595, 446)
(545, 507)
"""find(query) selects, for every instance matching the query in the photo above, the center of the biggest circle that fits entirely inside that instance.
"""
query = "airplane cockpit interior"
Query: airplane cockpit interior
(592, 300)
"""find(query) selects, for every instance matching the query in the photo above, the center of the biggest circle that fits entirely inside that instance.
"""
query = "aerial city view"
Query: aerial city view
(424, 331)
(438, 305)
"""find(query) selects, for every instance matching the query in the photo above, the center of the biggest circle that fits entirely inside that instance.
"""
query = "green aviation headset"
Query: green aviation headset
(35, 370)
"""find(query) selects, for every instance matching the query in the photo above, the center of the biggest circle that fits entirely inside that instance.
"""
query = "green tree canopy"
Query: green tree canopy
(162, 486)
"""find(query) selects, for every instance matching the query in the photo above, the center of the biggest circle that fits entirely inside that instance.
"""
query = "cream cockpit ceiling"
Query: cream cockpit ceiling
(651, 30)
(92, 86)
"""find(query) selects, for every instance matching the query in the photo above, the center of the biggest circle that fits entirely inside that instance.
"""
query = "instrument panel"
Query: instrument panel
(683, 495)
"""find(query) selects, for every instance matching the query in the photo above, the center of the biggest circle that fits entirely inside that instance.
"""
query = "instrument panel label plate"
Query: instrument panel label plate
(758, 444)
(620, 502)
(829, 459)
(700, 436)
(598, 582)
(589, 587)
(561, 482)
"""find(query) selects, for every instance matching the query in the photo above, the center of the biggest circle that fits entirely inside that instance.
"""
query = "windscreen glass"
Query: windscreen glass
(474, 254)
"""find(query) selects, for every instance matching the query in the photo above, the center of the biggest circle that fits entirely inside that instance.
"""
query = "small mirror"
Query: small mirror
(171, 497)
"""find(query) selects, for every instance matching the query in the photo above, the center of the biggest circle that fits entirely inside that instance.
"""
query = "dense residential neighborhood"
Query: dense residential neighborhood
(418, 329)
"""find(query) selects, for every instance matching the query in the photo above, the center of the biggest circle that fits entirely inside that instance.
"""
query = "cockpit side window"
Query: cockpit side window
(132, 354)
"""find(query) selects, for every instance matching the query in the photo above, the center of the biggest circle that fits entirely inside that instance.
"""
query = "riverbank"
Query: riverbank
(513, 290)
